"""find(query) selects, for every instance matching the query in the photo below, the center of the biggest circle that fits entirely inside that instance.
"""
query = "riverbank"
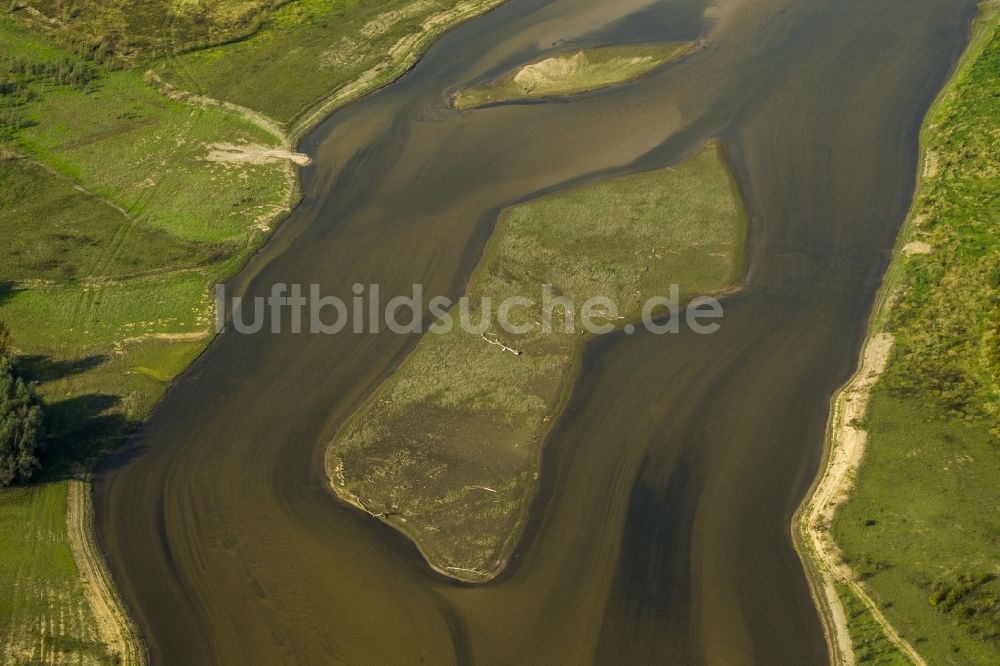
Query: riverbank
(313, 59)
(880, 525)
(644, 499)
(116, 236)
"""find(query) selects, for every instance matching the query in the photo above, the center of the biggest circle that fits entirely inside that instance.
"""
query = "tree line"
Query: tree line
(22, 427)
(63, 72)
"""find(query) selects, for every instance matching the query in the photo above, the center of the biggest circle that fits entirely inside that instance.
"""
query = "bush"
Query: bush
(971, 603)
(21, 427)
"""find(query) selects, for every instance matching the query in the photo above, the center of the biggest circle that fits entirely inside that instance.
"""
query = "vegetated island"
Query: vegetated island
(901, 529)
(572, 72)
(447, 449)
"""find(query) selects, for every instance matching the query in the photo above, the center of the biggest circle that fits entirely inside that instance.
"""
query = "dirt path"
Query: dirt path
(253, 153)
(250, 153)
(113, 624)
(251, 116)
(845, 450)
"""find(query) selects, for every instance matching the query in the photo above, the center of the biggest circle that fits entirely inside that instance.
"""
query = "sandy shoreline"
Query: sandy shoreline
(115, 627)
(846, 443)
(845, 450)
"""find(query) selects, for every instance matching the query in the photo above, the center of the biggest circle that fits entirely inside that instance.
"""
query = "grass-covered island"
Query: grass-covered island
(447, 449)
(572, 72)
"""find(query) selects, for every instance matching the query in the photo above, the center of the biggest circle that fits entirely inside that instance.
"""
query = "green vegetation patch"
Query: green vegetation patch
(128, 143)
(120, 139)
(447, 449)
(574, 72)
(920, 521)
(108, 313)
(922, 527)
(310, 48)
(54, 231)
(110, 31)
(871, 646)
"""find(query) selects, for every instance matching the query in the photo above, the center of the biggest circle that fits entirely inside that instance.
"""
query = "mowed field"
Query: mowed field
(922, 529)
(467, 412)
(116, 224)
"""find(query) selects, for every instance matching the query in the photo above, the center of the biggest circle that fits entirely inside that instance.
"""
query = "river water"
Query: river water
(660, 533)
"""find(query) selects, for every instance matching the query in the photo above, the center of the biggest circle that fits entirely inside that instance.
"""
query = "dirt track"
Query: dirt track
(113, 625)
(846, 442)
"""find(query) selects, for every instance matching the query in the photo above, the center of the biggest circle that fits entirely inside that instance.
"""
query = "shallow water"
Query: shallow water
(661, 530)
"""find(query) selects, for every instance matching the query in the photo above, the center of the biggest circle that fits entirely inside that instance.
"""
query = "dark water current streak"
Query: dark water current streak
(660, 533)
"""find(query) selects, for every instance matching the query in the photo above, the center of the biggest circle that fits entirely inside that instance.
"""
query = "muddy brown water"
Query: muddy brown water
(661, 530)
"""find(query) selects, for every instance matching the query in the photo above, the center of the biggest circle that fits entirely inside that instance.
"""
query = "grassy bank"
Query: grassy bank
(115, 225)
(568, 73)
(869, 642)
(447, 449)
(316, 55)
(919, 534)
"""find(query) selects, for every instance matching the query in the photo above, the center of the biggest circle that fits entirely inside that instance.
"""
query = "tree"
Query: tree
(5, 343)
(21, 425)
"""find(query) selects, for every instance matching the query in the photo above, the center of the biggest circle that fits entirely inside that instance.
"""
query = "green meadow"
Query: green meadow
(311, 48)
(121, 32)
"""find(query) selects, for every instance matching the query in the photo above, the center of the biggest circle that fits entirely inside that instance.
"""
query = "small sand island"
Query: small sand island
(572, 72)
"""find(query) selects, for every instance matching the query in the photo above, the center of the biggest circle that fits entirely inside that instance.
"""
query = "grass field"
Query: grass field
(466, 417)
(115, 227)
(72, 231)
(921, 529)
(55, 614)
(568, 73)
